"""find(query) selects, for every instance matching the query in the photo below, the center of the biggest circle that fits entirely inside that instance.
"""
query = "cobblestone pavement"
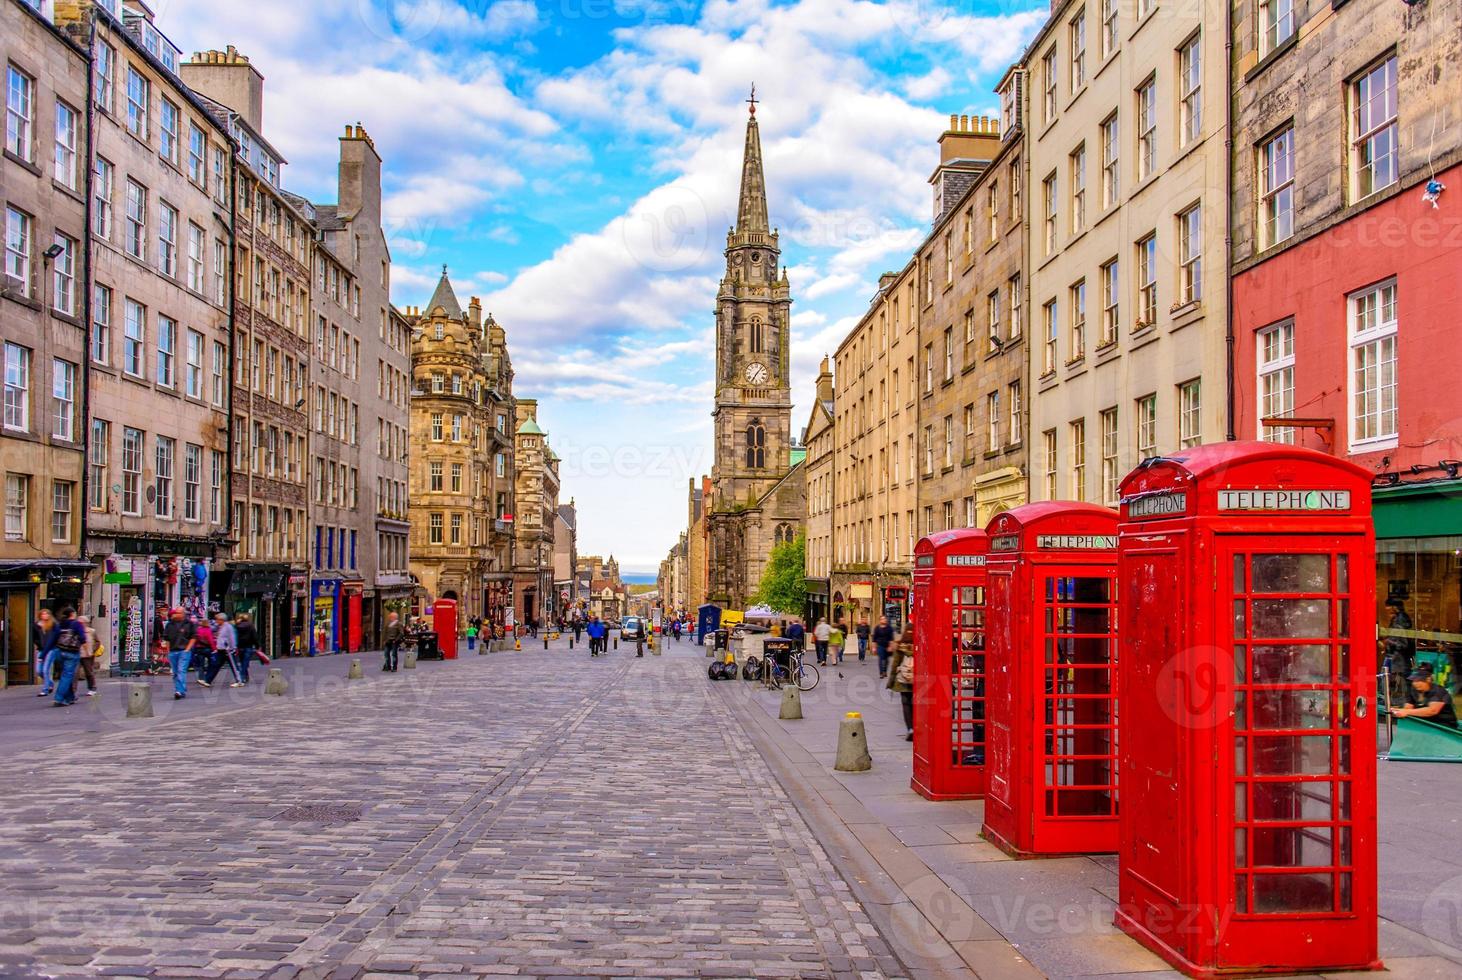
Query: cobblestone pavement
(527, 814)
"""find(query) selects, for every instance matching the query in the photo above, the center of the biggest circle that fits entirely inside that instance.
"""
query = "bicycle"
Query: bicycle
(803, 675)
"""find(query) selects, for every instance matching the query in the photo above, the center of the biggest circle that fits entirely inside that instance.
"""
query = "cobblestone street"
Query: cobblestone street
(529, 814)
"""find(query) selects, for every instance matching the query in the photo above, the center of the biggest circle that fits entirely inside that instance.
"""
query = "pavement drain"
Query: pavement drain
(323, 813)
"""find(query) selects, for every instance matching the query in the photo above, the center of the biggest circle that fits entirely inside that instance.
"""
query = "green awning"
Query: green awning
(1418, 510)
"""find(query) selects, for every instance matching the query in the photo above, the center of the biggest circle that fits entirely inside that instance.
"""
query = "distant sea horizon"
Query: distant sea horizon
(638, 578)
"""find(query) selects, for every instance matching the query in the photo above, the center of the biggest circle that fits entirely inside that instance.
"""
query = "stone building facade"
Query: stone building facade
(566, 554)
(43, 327)
(759, 491)
(536, 483)
(158, 523)
(818, 436)
(268, 576)
(1126, 141)
(874, 486)
(972, 332)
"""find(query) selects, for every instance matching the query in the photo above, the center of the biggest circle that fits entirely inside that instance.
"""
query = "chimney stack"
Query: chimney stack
(227, 78)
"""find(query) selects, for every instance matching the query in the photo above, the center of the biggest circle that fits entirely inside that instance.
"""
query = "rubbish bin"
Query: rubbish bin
(427, 647)
(723, 639)
(779, 649)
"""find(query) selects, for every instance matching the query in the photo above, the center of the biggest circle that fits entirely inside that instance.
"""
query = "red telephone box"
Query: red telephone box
(1247, 732)
(949, 679)
(1050, 649)
(444, 621)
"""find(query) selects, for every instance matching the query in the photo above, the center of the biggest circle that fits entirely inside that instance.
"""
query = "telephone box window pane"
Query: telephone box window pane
(1299, 755)
(1241, 847)
(1241, 893)
(1292, 802)
(1293, 663)
(1291, 573)
(1293, 893)
(1239, 574)
(1241, 802)
(1342, 573)
(1344, 891)
(1293, 847)
(1282, 618)
(1291, 709)
(1241, 757)
(1342, 856)
(1241, 708)
(1241, 626)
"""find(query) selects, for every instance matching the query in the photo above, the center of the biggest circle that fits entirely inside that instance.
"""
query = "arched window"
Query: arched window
(757, 341)
(756, 445)
(783, 534)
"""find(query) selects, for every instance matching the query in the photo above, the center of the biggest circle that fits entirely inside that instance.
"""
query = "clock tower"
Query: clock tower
(753, 413)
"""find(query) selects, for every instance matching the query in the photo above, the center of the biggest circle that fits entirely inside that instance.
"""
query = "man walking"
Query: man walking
(820, 635)
(68, 637)
(882, 637)
(225, 648)
(180, 637)
(391, 638)
(863, 634)
(246, 639)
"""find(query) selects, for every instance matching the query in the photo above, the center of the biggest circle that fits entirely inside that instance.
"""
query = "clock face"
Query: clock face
(756, 372)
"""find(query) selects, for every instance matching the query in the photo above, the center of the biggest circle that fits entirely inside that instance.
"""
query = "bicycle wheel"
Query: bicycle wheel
(777, 675)
(807, 677)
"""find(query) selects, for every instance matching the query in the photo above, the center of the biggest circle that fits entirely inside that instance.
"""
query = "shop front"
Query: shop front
(25, 589)
(139, 580)
(325, 614)
(272, 596)
(819, 596)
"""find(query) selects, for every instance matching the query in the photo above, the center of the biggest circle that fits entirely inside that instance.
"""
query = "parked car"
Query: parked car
(632, 628)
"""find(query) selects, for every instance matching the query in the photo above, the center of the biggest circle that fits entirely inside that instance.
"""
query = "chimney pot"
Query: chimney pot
(953, 122)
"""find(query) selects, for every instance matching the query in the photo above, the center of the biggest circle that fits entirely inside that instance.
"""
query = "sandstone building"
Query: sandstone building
(819, 436)
(536, 485)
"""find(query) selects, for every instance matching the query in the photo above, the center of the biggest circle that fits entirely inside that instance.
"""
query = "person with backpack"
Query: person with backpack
(205, 650)
(180, 637)
(67, 639)
(901, 676)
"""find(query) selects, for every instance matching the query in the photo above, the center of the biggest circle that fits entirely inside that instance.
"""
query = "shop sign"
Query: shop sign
(1076, 542)
(117, 578)
(1158, 504)
(966, 561)
(1284, 500)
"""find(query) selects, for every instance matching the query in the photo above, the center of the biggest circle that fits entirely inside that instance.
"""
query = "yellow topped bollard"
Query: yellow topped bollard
(853, 745)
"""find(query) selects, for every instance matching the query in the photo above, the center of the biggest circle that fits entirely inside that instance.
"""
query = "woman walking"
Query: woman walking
(91, 652)
(901, 677)
(45, 654)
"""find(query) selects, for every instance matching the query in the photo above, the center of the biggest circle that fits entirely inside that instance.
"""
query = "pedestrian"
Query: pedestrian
(391, 637)
(796, 633)
(246, 639)
(179, 636)
(863, 634)
(882, 638)
(91, 655)
(835, 645)
(471, 637)
(820, 635)
(596, 635)
(901, 677)
(578, 626)
(226, 649)
(67, 639)
(40, 633)
(205, 652)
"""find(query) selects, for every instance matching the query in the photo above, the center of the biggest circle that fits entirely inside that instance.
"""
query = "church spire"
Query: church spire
(751, 213)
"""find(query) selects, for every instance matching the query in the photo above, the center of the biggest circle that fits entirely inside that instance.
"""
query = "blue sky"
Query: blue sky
(575, 163)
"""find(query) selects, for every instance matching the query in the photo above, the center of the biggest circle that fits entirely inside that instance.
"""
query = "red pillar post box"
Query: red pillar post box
(444, 621)
(1247, 688)
(949, 665)
(1050, 650)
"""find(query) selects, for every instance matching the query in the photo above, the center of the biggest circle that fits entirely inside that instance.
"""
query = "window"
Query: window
(163, 477)
(1048, 76)
(1109, 28)
(215, 486)
(1078, 320)
(435, 471)
(456, 477)
(167, 240)
(195, 258)
(167, 145)
(1048, 471)
(1276, 24)
(948, 441)
(438, 382)
(1190, 420)
(220, 272)
(63, 400)
(66, 129)
(436, 426)
(1146, 427)
(1013, 397)
(1146, 282)
(1190, 255)
(1014, 291)
(17, 387)
(194, 353)
(18, 239)
(1276, 188)
(132, 448)
(135, 233)
(197, 154)
(134, 330)
(1373, 326)
(217, 391)
(992, 209)
(63, 276)
(992, 422)
(167, 345)
(138, 97)
(1048, 192)
(456, 529)
(1146, 128)
(1052, 333)
(1111, 171)
(19, 113)
(1013, 181)
(17, 504)
(1110, 473)
(1145, 7)
(928, 449)
(1373, 129)
(96, 462)
(1111, 303)
(992, 317)
(192, 482)
(1078, 189)
(948, 257)
(1275, 347)
(456, 427)
(106, 75)
(434, 529)
(1078, 459)
(928, 367)
(1077, 31)
(101, 191)
(948, 353)
(756, 442)
(1190, 91)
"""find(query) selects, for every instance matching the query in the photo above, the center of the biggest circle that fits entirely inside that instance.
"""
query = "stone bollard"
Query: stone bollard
(792, 706)
(139, 700)
(545, 643)
(852, 745)
(356, 674)
(655, 648)
(408, 659)
(276, 684)
(616, 643)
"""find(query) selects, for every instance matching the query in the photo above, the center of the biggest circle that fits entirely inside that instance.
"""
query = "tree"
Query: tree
(784, 583)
